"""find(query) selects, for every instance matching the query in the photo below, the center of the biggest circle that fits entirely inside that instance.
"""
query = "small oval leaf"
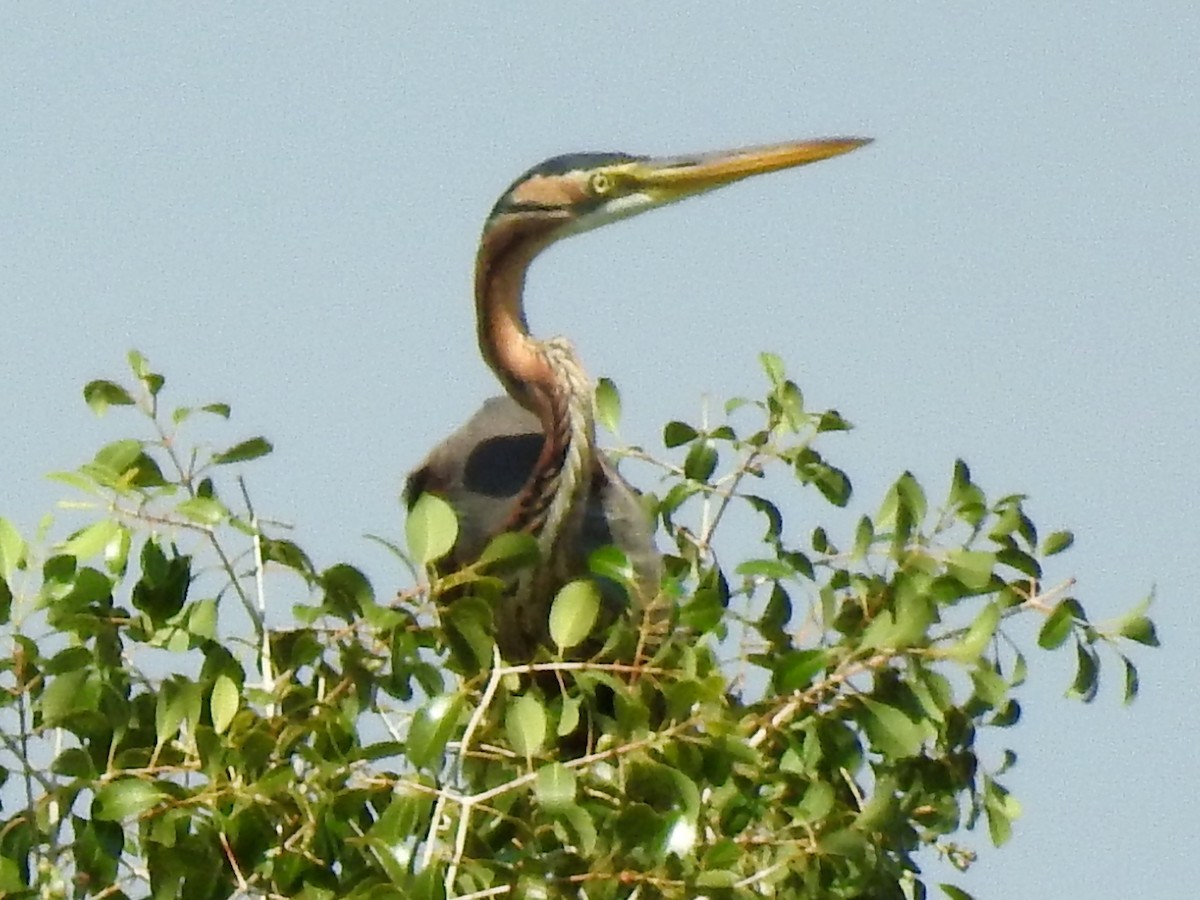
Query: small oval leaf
(224, 703)
(246, 450)
(526, 725)
(608, 405)
(573, 613)
(431, 529)
(100, 395)
(555, 787)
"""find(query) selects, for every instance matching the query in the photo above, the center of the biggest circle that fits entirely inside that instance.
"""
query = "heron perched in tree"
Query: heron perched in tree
(528, 461)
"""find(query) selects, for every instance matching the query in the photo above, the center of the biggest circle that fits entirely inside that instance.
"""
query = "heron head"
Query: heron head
(581, 191)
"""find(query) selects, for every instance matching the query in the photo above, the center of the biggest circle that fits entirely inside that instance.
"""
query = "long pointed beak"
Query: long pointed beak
(673, 178)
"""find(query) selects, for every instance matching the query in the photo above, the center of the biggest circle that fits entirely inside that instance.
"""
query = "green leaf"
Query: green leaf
(611, 562)
(773, 366)
(1087, 674)
(243, 452)
(1132, 683)
(864, 535)
(568, 719)
(555, 787)
(510, 551)
(408, 814)
(676, 434)
(69, 693)
(608, 405)
(92, 540)
(1057, 542)
(891, 732)
(817, 802)
(701, 460)
(976, 639)
(773, 569)
(1058, 625)
(955, 893)
(1140, 629)
(138, 364)
(100, 395)
(432, 727)
(171, 708)
(203, 511)
(217, 409)
(74, 762)
(12, 549)
(796, 670)
(117, 458)
(972, 567)
(525, 722)
(287, 553)
(347, 591)
(11, 881)
(717, 879)
(224, 702)
(125, 798)
(573, 613)
(1002, 808)
(831, 420)
(431, 529)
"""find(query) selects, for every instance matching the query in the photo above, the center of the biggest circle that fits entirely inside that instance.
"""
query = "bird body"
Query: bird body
(529, 462)
(481, 470)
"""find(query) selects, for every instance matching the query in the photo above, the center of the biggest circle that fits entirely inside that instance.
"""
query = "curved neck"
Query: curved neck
(543, 377)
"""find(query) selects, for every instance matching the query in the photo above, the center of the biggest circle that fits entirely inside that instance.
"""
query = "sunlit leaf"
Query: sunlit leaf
(432, 726)
(890, 730)
(1002, 808)
(100, 395)
(1132, 682)
(525, 722)
(347, 591)
(12, 549)
(1057, 542)
(817, 803)
(243, 452)
(203, 510)
(92, 540)
(796, 670)
(676, 434)
(224, 703)
(509, 551)
(972, 567)
(217, 409)
(573, 613)
(977, 637)
(773, 366)
(568, 719)
(1087, 674)
(1058, 625)
(955, 893)
(611, 562)
(608, 405)
(125, 798)
(555, 787)
(431, 529)
(1140, 629)
(701, 460)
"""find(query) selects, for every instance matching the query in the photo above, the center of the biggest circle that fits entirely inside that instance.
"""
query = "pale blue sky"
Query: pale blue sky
(279, 205)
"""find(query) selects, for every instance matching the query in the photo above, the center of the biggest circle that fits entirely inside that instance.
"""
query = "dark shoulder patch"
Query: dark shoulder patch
(500, 466)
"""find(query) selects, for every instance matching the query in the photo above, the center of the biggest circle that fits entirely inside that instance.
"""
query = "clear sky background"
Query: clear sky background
(279, 205)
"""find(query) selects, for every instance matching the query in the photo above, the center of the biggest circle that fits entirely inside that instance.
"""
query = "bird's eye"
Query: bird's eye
(600, 184)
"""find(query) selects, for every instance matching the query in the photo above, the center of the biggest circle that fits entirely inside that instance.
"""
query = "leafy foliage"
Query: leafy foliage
(810, 721)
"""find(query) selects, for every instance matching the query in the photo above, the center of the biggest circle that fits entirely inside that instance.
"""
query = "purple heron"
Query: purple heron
(528, 461)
